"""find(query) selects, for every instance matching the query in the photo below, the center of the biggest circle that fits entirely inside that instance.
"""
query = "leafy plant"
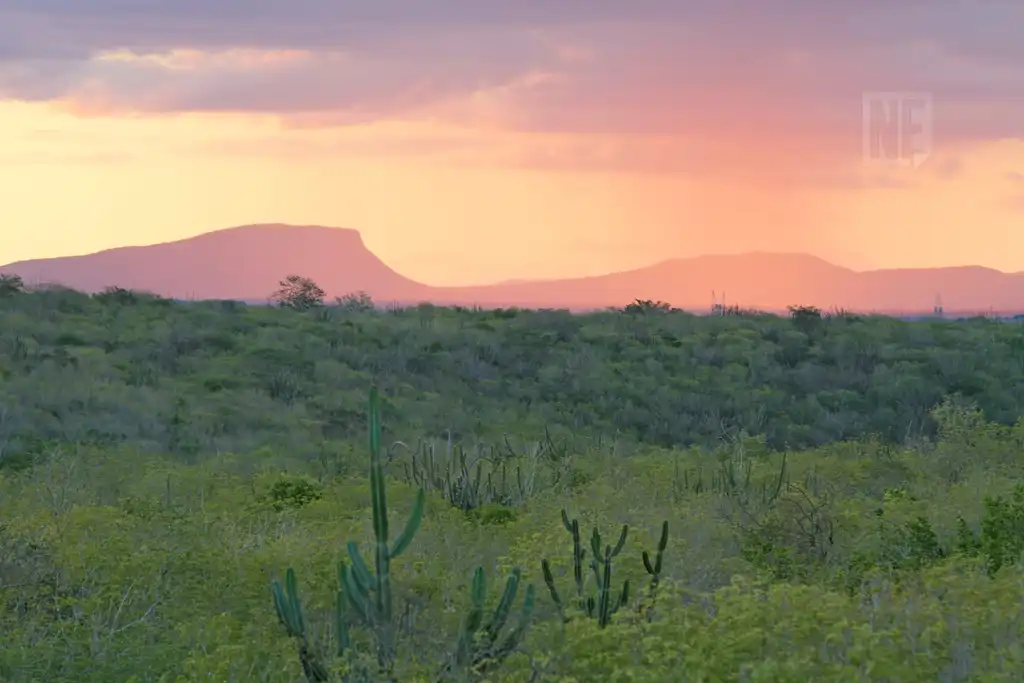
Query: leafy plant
(11, 285)
(298, 292)
(292, 493)
(1001, 539)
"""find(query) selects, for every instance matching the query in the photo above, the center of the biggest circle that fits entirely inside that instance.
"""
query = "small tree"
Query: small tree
(298, 292)
(11, 284)
(356, 302)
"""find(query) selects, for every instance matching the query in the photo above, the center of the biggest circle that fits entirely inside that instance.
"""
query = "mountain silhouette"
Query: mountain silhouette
(247, 262)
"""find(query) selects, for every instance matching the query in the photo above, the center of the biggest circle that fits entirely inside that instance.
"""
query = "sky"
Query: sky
(473, 141)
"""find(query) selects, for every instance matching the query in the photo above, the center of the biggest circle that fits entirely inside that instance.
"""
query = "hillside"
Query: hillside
(247, 262)
(670, 379)
(795, 497)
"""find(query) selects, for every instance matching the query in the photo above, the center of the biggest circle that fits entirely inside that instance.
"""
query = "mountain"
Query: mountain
(247, 262)
(244, 262)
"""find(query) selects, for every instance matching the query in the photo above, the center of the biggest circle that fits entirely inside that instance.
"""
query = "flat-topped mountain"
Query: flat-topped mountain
(247, 262)
(244, 262)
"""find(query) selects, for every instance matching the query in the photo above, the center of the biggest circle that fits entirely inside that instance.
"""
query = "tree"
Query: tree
(356, 302)
(11, 285)
(298, 292)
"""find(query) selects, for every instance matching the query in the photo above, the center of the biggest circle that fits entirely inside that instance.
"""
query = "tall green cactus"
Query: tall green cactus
(604, 605)
(367, 593)
(479, 648)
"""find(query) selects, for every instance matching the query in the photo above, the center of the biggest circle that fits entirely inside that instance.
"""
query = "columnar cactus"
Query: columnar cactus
(604, 605)
(367, 593)
(289, 611)
(479, 647)
(654, 569)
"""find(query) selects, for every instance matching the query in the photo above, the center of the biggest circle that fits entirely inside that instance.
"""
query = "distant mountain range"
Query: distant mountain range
(247, 262)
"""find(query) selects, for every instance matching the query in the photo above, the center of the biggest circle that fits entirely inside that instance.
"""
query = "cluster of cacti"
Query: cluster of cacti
(480, 646)
(731, 481)
(462, 482)
(366, 594)
(604, 605)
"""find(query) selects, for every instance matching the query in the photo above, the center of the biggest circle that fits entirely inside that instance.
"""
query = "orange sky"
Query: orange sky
(560, 153)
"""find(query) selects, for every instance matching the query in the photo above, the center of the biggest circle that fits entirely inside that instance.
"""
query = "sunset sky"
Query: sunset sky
(472, 141)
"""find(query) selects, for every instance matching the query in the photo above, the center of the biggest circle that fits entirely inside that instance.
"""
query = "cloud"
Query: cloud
(772, 90)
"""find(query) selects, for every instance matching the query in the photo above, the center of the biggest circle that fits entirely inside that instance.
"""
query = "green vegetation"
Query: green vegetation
(185, 489)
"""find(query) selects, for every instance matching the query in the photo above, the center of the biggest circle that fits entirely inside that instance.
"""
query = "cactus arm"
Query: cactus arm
(341, 626)
(361, 573)
(549, 579)
(357, 598)
(654, 568)
(622, 540)
(515, 635)
(525, 614)
(579, 554)
(501, 612)
(604, 606)
(647, 564)
(411, 527)
(288, 604)
(565, 521)
(378, 495)
(595, 542)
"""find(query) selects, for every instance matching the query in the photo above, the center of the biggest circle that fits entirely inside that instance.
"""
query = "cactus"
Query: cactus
(461, 480)
(604, 605)
(289, 611)
(479, 647)
(654, 568)
(367, 593)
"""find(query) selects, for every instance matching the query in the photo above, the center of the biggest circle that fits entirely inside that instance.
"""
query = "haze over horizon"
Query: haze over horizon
(483, 142)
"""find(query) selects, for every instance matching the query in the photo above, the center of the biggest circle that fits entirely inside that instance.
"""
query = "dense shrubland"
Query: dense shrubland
(812, 498)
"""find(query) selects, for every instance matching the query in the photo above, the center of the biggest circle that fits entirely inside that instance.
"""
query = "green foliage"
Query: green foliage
(357, 302)
(142, 443)
(11, 285)
(292, 493)
(645, 306)
(807, 319)
(119, 296)
(493, 514)
(255, 376)
(1001, 540)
